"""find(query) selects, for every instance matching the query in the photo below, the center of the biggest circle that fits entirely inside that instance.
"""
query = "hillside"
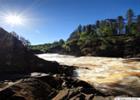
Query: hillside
(118, 37)
(15, 58)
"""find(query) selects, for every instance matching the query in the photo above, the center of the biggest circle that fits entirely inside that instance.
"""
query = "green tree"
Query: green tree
(79, 29)
(120, 24)
(133, 29)
(61, 42)
(105, 29)
(97, 23)
(114, 28)
(138, 24)
(129, 16)
(138, 19)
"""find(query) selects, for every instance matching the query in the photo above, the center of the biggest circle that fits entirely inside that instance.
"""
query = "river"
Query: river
(109, 75)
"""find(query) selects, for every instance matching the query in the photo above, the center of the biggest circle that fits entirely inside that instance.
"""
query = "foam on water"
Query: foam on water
(116, 74)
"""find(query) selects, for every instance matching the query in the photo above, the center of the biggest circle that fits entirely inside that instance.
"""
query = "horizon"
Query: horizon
(46, 21)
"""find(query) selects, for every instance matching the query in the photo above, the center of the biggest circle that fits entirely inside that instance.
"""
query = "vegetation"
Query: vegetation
(16, 60)
(24, 41)
(49, 47)
(118, 37)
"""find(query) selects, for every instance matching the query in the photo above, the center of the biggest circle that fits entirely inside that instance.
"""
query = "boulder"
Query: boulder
(15, 58)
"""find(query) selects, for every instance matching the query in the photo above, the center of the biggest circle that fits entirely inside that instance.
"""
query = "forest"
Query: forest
(119, 37)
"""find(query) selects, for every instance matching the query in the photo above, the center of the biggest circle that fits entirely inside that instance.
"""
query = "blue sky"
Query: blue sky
(50, 20)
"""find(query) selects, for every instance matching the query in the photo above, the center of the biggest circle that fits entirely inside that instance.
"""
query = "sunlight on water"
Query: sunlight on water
(116, 74)
(98, 69)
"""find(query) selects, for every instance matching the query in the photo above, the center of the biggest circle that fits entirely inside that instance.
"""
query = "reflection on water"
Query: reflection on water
(116, 74)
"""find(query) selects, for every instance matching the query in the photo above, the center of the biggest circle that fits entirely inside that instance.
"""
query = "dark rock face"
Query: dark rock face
(29, 89)
(15, 58)
(12, 52)
(51, 88)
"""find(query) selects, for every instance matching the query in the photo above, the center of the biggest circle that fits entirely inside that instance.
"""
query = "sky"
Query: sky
(45, 21)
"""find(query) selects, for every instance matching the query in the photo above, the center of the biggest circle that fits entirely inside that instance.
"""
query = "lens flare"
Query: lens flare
(14, 19)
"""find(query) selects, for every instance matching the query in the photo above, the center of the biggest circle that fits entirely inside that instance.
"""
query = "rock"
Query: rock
(55, 82)
(13, 54)
(62, 95)
(16, 60)
(47, 88)
(79, 97)
(103, 98)
(28, 89)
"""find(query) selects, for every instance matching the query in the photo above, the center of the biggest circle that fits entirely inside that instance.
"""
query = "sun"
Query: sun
(14, 19)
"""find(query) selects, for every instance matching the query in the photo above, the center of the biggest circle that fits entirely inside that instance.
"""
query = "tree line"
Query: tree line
(109, 37)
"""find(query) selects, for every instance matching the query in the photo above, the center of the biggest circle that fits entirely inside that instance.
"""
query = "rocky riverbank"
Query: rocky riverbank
(110, 76)
(52, 88)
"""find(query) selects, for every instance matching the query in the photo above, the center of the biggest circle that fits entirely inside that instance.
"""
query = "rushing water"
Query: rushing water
(106, 74)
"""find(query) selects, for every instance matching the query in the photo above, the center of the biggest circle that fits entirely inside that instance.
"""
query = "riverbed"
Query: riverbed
(108, 75)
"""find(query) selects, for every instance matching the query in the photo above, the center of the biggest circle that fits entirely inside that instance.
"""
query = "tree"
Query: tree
(24, 41)
(138, 19)
(100, 30)
(120, 24)
(76, 33)
(79, 29)
(89, 28)
(97, 23)
(105, 28)
(15, 35)
(61, 42)
(129, 16)
(84, 28)
(138, 24)
(114, 28)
